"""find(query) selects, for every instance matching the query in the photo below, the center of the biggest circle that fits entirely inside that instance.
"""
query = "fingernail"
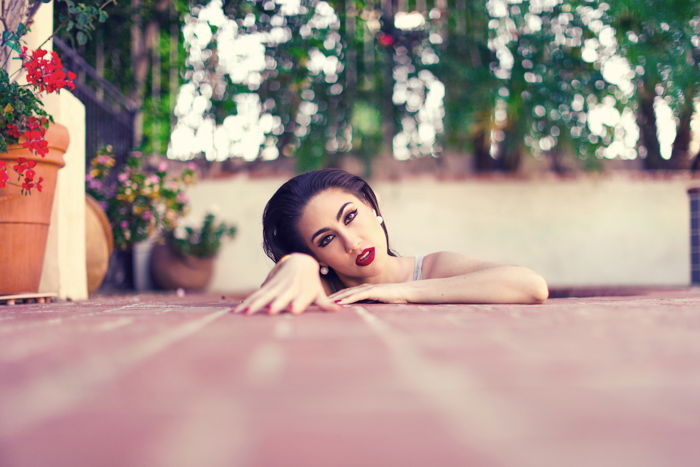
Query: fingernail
(245, 310)
(338, 301)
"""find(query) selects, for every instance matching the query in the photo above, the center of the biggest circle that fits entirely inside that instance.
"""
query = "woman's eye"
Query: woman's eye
(325, 240)
(351, 215)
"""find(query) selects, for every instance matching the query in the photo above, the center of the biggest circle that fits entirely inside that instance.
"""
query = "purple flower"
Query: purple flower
(147, 215)
(124, 225)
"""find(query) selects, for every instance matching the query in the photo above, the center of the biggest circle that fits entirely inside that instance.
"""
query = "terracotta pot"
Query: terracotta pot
(24, 220)
(171, 271)
(99, 243)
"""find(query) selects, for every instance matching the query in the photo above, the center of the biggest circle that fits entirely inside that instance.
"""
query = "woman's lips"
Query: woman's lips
(366, 257)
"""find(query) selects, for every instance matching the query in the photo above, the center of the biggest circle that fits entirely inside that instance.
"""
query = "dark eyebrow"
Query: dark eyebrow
(337, 217)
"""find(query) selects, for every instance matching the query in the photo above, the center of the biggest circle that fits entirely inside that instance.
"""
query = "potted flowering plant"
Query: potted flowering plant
(31, 150)
(186, 257)
(23, 120)
(141, 200)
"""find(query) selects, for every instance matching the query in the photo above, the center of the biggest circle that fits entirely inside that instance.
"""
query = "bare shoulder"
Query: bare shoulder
(449, 263)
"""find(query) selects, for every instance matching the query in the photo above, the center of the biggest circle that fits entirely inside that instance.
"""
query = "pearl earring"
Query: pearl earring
(380, 219)
(323, 270)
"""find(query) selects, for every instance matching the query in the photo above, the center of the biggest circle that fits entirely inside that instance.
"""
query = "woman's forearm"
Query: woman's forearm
(501, 284)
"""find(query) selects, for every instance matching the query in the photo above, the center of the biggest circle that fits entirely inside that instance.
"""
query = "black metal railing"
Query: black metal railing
(109, 114)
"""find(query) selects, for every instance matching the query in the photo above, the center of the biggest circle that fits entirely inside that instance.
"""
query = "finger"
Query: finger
(244, 306)
(353, 297)
(299, 304)
(263, 302)
(327, 305)
(342, 294)
(280, 304)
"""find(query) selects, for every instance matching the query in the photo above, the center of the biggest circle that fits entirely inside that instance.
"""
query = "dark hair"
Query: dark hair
(283, 210)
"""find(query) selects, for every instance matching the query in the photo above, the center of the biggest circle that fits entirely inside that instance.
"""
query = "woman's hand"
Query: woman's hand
(292, 285)
(386, 293)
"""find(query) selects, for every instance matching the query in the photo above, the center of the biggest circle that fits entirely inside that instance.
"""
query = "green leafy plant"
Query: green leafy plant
(142, 200)
(23, 119)
(204, 241)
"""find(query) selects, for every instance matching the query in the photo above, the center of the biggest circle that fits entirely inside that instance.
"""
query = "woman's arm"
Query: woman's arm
(455, 278)
(293, 284)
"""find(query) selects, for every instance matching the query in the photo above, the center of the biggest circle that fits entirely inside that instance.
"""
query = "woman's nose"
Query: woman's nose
(352, 243)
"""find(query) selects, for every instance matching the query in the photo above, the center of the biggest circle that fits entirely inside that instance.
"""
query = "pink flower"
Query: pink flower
(147, 215)
(122, 177)
(163, 166)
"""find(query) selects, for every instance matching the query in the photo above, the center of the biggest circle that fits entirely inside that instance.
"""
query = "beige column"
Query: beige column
(64, 266)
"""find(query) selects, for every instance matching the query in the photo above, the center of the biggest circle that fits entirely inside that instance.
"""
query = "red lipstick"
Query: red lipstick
(366, 257)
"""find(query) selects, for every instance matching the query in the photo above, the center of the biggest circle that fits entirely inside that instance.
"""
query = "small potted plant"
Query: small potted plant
(142, 199)
(185, 259)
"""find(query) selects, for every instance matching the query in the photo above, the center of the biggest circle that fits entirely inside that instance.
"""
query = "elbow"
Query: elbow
(539, 290)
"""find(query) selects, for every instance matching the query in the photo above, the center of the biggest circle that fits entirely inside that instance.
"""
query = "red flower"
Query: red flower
(27, 187)
(13, 130)
(23, 164)
(38, 184)
(3, 174)
(386, 39)
(47, 75)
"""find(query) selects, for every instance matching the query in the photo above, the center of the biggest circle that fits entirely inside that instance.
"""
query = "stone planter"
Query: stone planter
(99, 243)
(171, 271)
(24, 220)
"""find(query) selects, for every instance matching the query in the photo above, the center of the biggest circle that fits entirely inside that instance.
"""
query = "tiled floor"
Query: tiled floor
(179, 381)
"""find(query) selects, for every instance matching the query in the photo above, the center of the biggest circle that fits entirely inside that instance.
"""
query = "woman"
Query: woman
(325, 232)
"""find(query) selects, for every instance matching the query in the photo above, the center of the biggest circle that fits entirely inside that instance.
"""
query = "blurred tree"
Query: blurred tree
(661, 41)
(548, 85)
(319, 79)
(140, 52)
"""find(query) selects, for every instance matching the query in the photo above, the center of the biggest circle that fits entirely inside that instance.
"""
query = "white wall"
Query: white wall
(596, 231)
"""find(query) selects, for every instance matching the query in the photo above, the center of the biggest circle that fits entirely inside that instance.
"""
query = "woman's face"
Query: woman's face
(343, 233)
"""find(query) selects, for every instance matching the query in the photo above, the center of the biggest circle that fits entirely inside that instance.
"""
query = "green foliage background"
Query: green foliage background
(533, 98)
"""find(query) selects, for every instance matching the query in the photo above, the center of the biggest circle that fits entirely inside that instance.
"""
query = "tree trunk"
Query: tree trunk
(139, 60)
(509, 152)
(481, 143)
(680, 155)
(646, 120)
(388, 126)
(14, 12)
(155, 92)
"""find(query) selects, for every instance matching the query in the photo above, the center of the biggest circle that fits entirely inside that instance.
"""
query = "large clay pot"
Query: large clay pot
(99, 243)
(171, 271)
(24, 220)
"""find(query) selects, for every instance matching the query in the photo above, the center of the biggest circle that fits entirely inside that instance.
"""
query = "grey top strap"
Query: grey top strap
(418, 269)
